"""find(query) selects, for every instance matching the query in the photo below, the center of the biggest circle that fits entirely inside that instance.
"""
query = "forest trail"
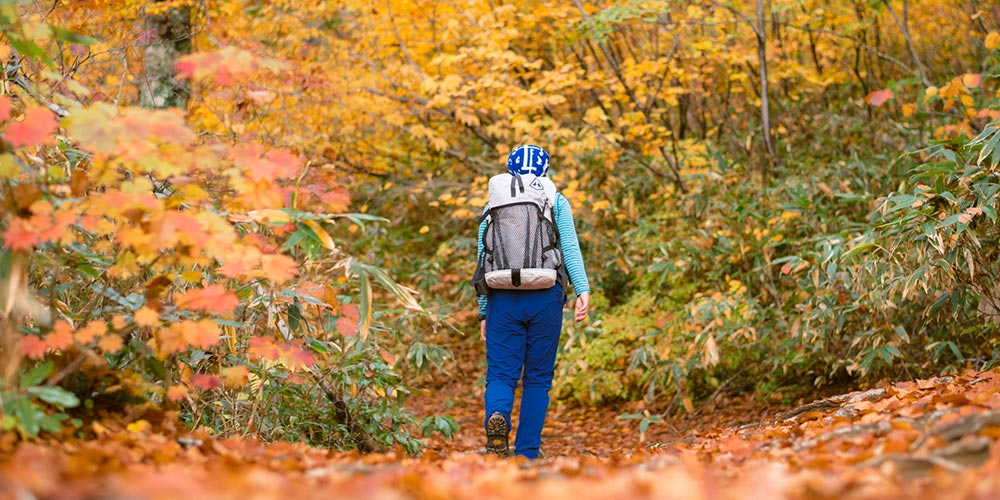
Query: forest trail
(933, 438)
(601, 431)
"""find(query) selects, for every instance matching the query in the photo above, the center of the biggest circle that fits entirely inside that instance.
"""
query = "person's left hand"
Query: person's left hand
(482, 329)
(582, 306)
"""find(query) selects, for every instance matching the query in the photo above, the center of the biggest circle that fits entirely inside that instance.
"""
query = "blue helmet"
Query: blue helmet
(528, 159)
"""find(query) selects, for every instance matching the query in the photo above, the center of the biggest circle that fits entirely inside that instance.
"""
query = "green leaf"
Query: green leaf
(857, 250)
(902, 333)
(28, 416)
(36, 375)
(50, 423)
(990, 212)
(65, 35)
(952, 220)
(31, 50)
(55, 395)
(318, 346)
(988, 149)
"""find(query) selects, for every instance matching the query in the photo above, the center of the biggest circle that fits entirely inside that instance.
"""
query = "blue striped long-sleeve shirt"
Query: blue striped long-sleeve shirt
(568, 241)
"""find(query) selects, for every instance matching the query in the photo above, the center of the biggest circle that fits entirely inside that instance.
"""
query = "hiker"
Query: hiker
(520, 326)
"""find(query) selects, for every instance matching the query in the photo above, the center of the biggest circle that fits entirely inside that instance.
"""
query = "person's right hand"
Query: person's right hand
(582, 306)
(482, 329)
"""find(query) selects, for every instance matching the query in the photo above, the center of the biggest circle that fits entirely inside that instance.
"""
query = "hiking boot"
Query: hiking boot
(496, 435)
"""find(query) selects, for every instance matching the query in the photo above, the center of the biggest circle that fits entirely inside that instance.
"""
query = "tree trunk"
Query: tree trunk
(765, 111)
(170, 38)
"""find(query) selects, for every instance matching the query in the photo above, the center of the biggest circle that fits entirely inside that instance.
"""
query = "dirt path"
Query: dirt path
(570, 429)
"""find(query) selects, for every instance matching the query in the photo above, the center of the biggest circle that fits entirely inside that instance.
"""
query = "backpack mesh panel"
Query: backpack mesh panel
(519, 236)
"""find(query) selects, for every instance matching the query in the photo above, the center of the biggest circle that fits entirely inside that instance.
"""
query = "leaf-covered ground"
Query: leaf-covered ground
(926, 438)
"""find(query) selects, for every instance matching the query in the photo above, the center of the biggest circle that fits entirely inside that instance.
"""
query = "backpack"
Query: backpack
(521, 248)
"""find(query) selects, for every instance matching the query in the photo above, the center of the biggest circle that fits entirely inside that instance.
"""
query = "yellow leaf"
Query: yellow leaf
(908, 109)
(424, 230)
(270, 215)
(191, 276)
(139, 426)
(235, 376)
(688, 405)
(99, 429)
(993, 40)
(324, 237)
(37, 30)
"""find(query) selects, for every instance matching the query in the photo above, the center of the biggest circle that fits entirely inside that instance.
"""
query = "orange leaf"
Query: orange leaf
(146, 316)
(61, 327)
(118, 322)
(203, 334)
(263, 347)
(90, 332)
(295, 357)
(213, 298)
(110, 344)
(347, 323)
(5, 108)
(38, 123)
(32, 346)
(278, 268)
(177, 392)
(168, 341)
(879, 97)
(350, 311)
(20, 235)
(972, 80)
(235, 376)
(347, 327)
(337, 199)
(59, 339)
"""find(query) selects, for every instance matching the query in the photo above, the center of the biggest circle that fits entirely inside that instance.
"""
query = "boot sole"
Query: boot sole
(496, 436)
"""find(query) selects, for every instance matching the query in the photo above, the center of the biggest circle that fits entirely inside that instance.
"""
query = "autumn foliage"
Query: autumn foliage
(774, 198)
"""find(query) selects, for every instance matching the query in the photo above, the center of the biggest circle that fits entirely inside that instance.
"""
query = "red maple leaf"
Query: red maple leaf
(20, 235)
(36, 127)
(186, 67)
(205, 382)
(879, 97)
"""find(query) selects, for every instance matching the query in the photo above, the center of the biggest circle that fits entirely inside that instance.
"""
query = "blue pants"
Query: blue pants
(522, 336)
